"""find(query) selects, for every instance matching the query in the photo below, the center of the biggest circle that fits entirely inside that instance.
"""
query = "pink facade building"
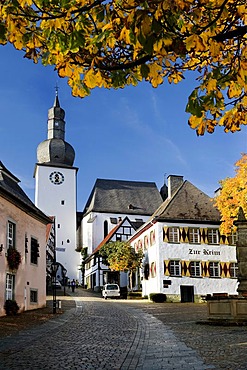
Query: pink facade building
(22, 246)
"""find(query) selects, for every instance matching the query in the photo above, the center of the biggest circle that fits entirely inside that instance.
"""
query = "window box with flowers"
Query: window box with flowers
(13, 258)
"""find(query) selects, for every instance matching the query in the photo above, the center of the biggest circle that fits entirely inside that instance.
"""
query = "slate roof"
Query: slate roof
(10, 190)
(188, 204)
(124, 197)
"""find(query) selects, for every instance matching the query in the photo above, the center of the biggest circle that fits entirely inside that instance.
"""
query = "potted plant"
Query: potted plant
(11, 307)
(13, 258)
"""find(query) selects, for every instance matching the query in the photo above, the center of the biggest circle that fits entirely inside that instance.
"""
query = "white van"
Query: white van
(110, 291)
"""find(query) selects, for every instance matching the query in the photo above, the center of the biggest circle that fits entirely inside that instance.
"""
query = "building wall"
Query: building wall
(28, 276)
(60, 201)
(159, 252)
(96, 273)
(93, 232)
(95, 267)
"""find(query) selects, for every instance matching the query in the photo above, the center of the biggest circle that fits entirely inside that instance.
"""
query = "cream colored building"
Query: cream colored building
(186, 257)
(22, 228)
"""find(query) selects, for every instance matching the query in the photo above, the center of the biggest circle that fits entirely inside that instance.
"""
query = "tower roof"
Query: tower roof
(55, 150)
(56, 101)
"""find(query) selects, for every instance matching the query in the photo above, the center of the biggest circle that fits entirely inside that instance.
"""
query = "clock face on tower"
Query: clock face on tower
(56, 178)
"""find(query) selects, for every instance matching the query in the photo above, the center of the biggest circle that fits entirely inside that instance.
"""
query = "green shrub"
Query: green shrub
(11, 307)
(157, 297)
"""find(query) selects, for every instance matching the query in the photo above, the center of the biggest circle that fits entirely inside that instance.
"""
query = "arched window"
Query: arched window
(105, 228)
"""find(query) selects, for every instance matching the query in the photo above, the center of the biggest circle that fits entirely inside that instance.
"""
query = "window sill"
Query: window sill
(196, 277)
(175, 276)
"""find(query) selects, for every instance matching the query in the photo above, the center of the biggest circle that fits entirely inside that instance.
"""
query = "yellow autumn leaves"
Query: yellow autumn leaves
(120, 42)
(233, 194)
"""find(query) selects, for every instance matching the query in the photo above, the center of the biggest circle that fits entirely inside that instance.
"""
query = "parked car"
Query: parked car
(111, 291)
(57, 284)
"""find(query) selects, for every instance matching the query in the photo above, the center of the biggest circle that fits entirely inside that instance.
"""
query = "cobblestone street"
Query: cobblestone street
(111, 334)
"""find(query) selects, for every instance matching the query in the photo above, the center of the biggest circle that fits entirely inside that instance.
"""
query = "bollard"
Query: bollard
(59, 304)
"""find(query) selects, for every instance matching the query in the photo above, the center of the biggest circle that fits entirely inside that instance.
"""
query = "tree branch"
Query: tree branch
(239, 31)
(125, 66)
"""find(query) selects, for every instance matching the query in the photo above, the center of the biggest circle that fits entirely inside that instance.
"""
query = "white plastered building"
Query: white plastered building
(186, 257)
(55, 188)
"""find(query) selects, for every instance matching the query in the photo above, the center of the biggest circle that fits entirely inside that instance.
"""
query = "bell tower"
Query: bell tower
(55, 188)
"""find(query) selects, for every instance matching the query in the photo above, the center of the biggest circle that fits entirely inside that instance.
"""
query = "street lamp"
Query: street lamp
(64, 272)
(54, 268)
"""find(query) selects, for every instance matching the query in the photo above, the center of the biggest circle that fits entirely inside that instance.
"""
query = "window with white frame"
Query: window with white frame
(214, 269)
(194, 235)
(195, 268)
(173, 234)
(11, 235)
(175, 268)
(233, 269)
(213, 236)
(10, 286)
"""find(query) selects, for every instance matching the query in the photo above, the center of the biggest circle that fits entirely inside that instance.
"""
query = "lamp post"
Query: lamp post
(64, 271)
(54, 268)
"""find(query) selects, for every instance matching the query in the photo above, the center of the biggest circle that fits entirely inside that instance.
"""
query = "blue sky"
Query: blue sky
(137, 133)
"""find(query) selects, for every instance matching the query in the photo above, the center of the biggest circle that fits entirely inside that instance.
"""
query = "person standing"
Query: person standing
(73, 285)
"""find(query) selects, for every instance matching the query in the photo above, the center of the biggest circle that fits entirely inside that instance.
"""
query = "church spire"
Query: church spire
(56, 123)
(56, 101)
(55, 149)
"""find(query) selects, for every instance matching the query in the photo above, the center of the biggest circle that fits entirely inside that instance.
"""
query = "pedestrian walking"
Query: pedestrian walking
(73, 285)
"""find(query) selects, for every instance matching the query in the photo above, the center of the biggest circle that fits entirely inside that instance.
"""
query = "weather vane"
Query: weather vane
(56, 89)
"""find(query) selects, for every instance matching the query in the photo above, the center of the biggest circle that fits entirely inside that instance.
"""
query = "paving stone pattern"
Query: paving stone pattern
(115, 335)
(225, 347)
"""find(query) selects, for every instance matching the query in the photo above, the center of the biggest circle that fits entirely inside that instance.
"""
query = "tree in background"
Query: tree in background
(233, 195)
(120, 256)
(114, 43)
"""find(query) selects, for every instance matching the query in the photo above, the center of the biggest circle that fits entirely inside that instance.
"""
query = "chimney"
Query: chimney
(217, 192)
(174, 182)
